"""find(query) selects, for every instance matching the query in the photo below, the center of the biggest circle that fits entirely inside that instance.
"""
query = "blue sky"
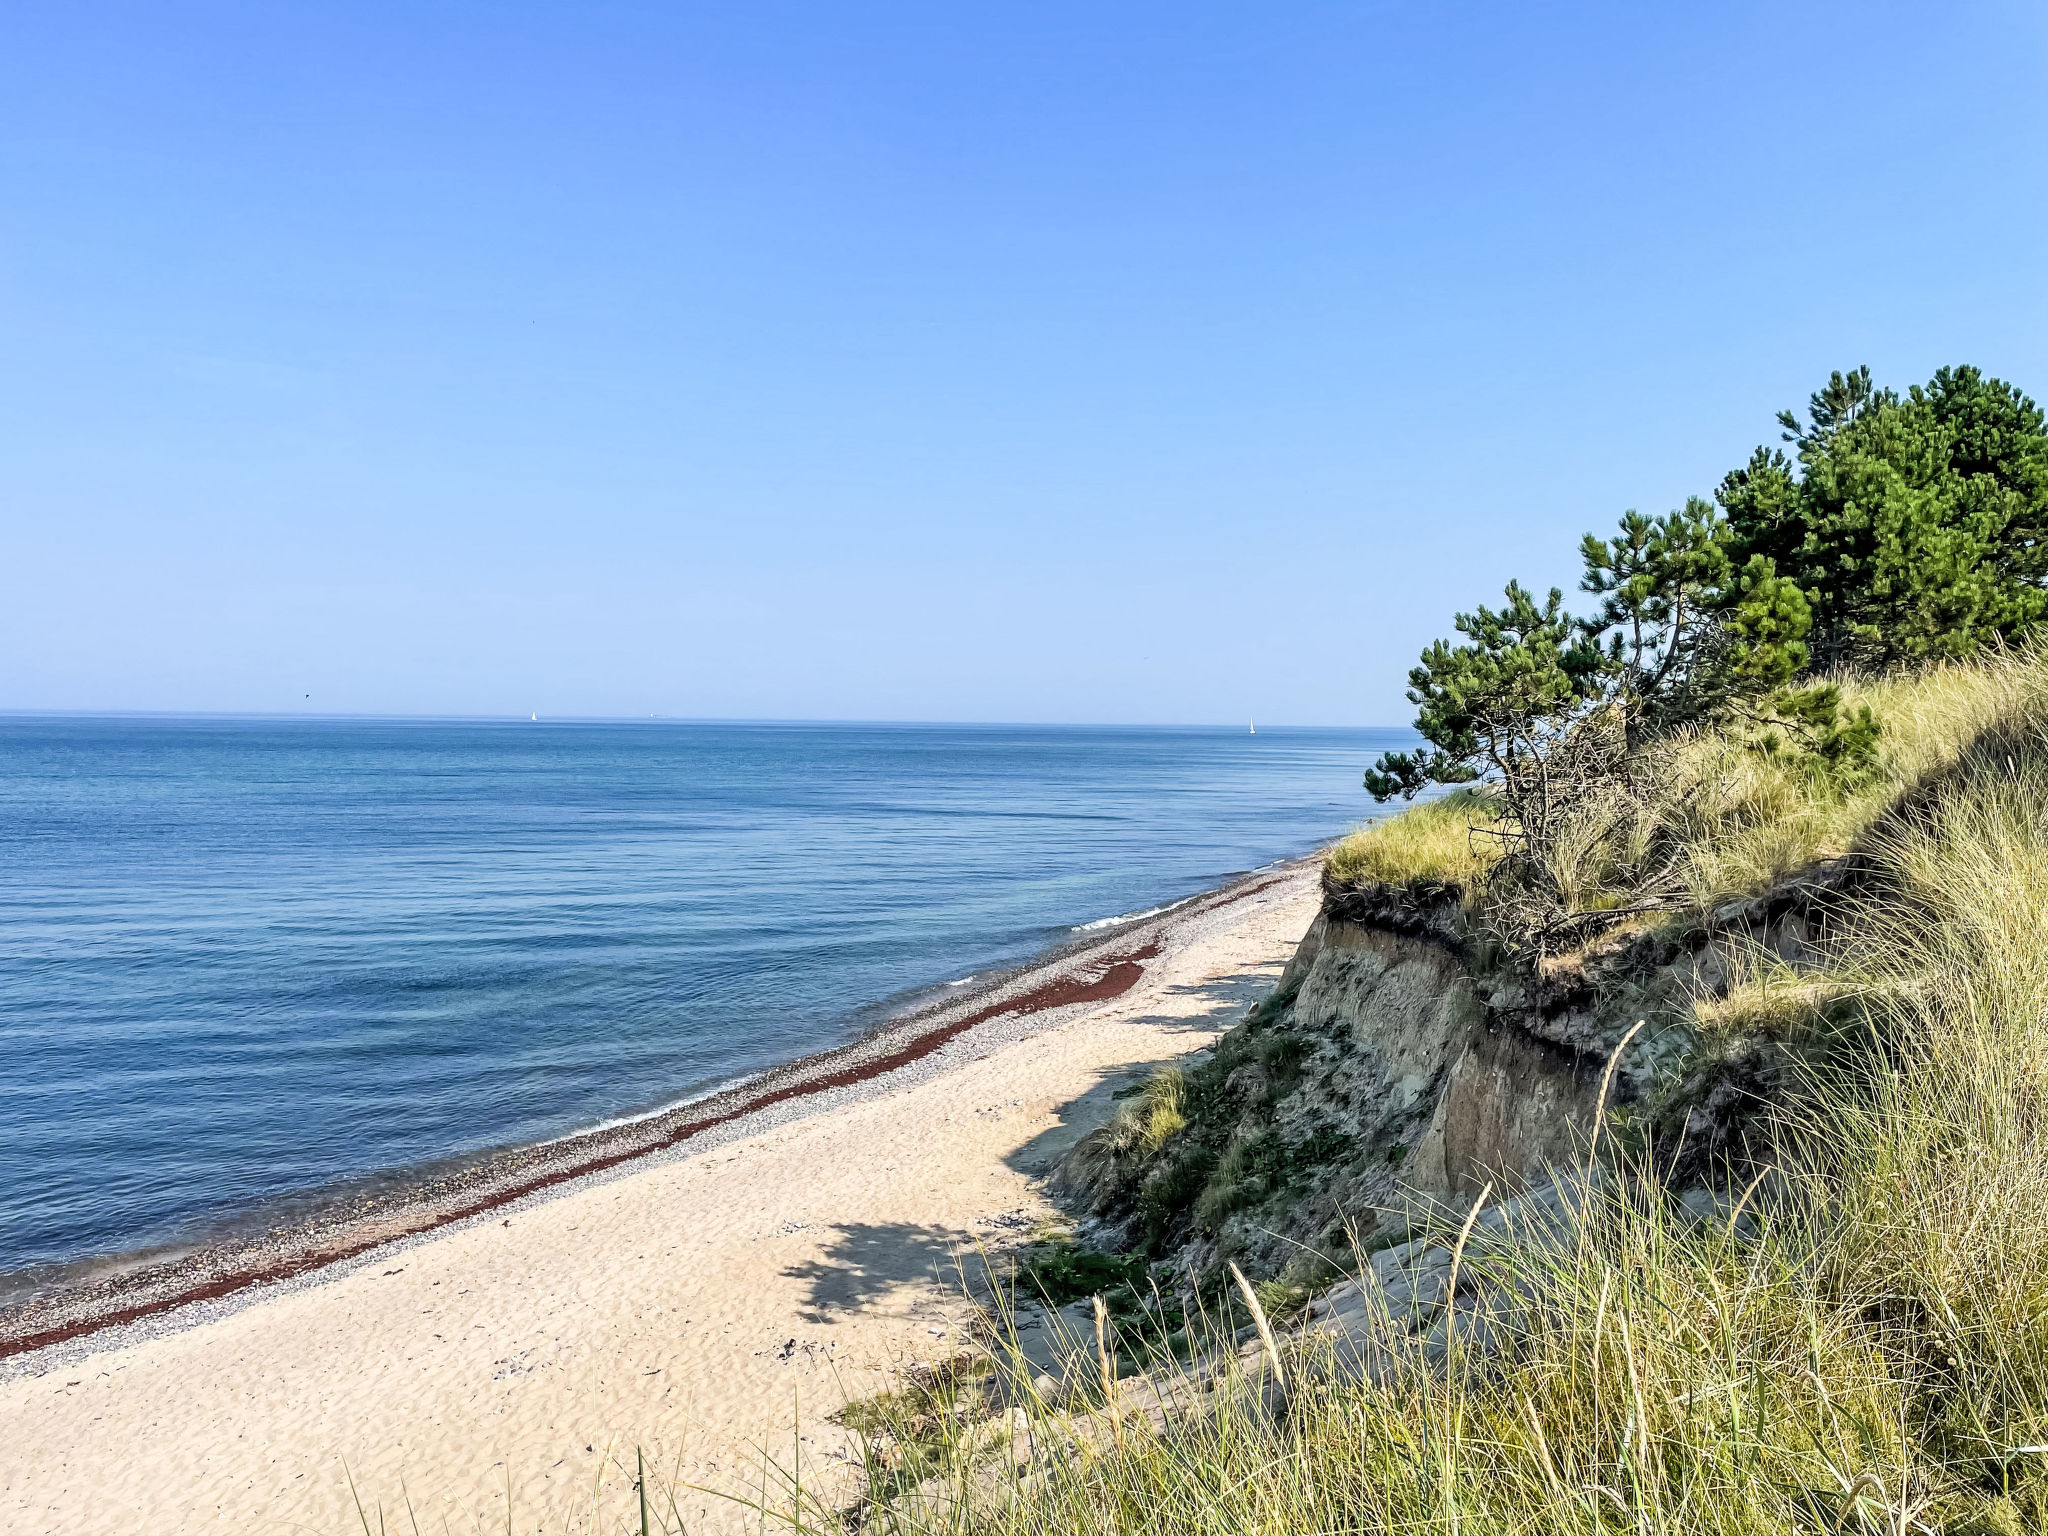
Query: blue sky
(1047, 362)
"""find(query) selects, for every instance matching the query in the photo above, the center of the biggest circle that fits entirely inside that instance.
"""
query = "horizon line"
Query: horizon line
(508, 718)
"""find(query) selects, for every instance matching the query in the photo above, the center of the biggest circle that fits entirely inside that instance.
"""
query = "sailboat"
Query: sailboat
(1254, 725)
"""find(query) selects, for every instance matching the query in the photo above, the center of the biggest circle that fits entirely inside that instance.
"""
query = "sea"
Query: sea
(245, 960)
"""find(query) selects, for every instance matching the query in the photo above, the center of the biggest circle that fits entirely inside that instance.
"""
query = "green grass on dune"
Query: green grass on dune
(1437, 843)
(1711, 816)
(1866, 1351)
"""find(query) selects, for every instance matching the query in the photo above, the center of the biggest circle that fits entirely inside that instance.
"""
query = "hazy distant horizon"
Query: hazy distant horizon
(533, 717)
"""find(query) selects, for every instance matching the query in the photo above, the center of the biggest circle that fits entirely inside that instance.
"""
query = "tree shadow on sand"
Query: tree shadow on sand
(869, 1260)
(1224, 1002)
(1232, 994)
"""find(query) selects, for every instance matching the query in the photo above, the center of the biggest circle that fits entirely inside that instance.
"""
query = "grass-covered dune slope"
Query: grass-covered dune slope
(1727, 879)
(1859, 1341)
(1783, 803)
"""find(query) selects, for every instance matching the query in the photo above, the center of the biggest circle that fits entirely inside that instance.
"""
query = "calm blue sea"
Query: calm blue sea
(242, 958)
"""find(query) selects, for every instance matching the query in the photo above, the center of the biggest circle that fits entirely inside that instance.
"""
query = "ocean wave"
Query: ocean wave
(652, 1114)
(1129, 917)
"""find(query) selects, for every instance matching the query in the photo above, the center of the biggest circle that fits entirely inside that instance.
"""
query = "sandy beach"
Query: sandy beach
(725, 1289)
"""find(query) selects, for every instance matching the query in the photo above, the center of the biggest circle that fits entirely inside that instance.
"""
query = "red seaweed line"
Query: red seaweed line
(1118, 978)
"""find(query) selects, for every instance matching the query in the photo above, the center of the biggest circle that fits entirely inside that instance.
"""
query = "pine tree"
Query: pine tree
(1916, 526)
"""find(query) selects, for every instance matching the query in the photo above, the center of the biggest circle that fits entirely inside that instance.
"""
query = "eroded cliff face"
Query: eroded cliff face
(1472, 1098)
(1395, 1071)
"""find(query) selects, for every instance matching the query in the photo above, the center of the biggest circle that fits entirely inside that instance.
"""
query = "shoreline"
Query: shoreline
(712, 1306)
(113, 1296)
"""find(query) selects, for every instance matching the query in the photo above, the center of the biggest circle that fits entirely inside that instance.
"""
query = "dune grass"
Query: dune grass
(1712, 817)
(1440, 842)
(1862, 1347)
(1856, 1342)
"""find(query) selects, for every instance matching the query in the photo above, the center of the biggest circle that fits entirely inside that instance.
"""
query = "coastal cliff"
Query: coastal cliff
(1651, 1131)
(1372, 1272)
(1400, 1066)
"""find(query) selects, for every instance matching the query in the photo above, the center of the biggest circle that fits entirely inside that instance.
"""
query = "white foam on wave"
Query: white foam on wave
(963, 980)
(1129, 917)
(652, 1114)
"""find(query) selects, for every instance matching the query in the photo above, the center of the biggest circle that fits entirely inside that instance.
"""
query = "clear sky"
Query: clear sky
(1092, 362)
